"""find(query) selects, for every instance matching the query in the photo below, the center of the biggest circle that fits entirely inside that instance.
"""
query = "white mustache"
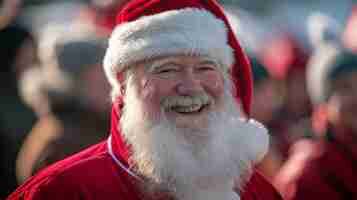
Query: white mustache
(186, 101)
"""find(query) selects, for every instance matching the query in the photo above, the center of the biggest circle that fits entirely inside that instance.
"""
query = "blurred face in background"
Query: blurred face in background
(342, 104)
(297, 98)
(264, 101)
(95, 88)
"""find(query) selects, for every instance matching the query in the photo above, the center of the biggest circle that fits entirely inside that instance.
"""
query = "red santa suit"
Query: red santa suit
(103, 171)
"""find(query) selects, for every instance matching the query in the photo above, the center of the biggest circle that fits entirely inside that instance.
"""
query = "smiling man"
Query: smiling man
(181, 90)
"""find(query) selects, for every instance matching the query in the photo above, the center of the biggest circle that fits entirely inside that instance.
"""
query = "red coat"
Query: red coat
(93, 174)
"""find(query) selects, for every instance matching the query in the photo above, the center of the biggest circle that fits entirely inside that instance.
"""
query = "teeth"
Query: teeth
(187, 109)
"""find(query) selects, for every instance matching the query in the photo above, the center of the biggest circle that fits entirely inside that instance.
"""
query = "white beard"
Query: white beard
(207, 166)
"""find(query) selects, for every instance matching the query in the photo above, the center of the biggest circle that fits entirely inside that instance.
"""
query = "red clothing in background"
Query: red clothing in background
(333, 175)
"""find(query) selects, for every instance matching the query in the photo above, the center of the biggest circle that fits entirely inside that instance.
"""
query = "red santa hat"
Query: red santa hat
(154, 28)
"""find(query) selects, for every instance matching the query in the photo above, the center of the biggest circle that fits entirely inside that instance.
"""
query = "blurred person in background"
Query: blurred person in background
(18, 51)
(264, 99)
(325, 166)
(264, 105)
(67, 92)
(286, 61)
(180, 130)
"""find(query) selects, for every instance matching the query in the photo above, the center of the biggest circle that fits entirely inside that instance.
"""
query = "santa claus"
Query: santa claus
(181, 90)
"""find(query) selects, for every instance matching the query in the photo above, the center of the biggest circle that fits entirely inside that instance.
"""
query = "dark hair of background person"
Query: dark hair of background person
(15, 118)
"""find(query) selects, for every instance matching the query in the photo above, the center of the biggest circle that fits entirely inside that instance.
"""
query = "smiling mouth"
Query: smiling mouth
(192, 109)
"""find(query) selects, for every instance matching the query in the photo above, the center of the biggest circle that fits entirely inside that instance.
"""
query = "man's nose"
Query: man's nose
(189, 84)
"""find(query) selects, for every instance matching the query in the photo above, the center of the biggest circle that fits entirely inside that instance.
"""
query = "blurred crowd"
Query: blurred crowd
(55, 99)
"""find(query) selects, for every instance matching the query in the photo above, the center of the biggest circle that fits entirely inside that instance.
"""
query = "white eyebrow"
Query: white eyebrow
(160, 62)
(210, 61)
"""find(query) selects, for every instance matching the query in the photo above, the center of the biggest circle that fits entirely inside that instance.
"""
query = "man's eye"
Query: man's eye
(206, 68)
(166, 70)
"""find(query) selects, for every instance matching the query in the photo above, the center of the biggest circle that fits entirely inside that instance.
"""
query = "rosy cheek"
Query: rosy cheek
(214, 85)
(147, 90)
(153, 90)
